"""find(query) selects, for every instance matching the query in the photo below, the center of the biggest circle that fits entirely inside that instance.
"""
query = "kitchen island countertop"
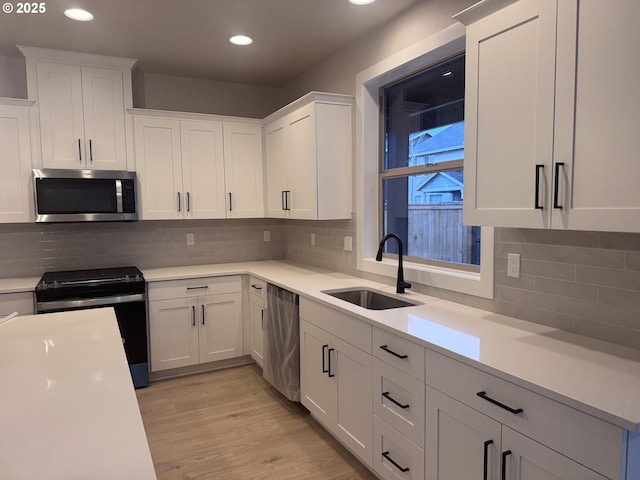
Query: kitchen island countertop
(68, 409)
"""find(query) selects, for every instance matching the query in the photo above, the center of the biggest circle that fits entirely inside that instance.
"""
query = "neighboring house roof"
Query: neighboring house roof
(454, 177)
(426, 143)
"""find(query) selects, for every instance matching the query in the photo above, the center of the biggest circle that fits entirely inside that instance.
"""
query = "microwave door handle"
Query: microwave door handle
(119, 208)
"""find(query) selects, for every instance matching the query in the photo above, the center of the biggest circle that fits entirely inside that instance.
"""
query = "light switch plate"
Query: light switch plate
(313, 239)
(267, 236)
(191, 239)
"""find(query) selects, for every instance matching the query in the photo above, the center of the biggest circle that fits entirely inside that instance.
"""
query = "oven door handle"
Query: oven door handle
(88, 302)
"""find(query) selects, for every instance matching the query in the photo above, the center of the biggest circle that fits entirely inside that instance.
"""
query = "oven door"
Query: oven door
(131, 314)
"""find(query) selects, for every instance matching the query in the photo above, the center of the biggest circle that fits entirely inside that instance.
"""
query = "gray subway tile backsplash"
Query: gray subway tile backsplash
(585, 282)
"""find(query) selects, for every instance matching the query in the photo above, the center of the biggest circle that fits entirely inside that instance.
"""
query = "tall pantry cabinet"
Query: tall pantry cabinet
(80, 120)
(551, 112)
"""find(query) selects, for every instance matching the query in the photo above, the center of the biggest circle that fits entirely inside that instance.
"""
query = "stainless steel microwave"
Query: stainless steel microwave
(84, 195)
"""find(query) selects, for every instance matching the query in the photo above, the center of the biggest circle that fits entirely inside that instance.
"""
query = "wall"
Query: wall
(13, 77)
(585, 282)
(31, 249)
(164, 92)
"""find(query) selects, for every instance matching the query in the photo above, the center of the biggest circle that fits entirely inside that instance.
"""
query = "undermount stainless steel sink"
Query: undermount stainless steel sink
(370, 299)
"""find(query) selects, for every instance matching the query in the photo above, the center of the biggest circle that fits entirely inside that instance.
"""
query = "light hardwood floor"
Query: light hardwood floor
(231, 424)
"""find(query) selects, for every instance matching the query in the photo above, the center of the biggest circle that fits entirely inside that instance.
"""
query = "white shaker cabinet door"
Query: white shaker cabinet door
(159, 168)
(202, 169)
(61, 115)
(315, 384)
(220, 320)
(457, 439)
(352, 408)
(173, 333)
(104, 123)
(525, 459)
(598, 148)
(243, 171)
(277, 152)
(302, 196)
(509, 114)
(16, 200)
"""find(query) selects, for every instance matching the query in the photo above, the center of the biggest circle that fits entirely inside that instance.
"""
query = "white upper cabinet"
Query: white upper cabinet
(549, 141)
(16, 184)
(243, 170)
(197, 166)
(80, 102)
(308, 158)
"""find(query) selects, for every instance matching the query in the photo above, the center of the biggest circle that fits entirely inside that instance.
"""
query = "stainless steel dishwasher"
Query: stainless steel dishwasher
(281, 361)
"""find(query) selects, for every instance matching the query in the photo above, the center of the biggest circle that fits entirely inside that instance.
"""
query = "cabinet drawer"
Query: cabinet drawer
(258, 287)
(586, 439)
(194, 287)
(400, 454)
(21, 302)
(349, 329)
(402, 354)
(398, 399)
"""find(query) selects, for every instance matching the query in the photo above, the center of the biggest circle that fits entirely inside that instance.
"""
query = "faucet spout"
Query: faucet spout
(400, 284)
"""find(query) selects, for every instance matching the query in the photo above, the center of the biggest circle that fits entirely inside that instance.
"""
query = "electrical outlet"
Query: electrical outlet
(348, 244)
(513, 265)
(313, 239)
(191, 239)
(267, 236)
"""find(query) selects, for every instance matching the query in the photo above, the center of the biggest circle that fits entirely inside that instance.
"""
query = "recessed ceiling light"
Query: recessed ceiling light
(361, 2)
(78, 14)
(241, 40)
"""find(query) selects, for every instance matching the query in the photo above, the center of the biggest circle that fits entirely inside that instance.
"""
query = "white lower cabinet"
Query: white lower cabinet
(257, 304)
(335, 375)
(194, 321)
(464, 443)
(394, 455)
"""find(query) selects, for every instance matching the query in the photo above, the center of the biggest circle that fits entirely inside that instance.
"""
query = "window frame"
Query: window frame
(434, 49)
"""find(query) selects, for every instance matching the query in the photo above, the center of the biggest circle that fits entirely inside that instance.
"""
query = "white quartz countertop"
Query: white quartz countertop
(599, 378)
(17, 285)
(68, 409)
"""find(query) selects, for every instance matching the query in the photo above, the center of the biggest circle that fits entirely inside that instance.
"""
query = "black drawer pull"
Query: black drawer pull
(486, 458)
(256, 287)
(402, 469)
(537, 205)
(504, 464)
(386, 349)
(324, 368)
(329, 360)
(484, 396)
(391, 399)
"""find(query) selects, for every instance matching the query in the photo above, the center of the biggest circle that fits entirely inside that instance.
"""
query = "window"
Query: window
(421, 174)
(371, 147)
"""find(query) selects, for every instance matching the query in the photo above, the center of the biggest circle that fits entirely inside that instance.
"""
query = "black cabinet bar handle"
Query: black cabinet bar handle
(79, 151)
(203, 314)
(537, 204)
(486, 458)
(324, 368)
(179, 203)
(484, 396)
(282, 199)
(329, 357)
(388, 457)
(90, 150)
(555, 186)
(391, 399)
(188, 202)
(262, 318)
(230, 204)
(198, 288)
(193, 315)
(504, 464)
(386, 349)
(256, 287)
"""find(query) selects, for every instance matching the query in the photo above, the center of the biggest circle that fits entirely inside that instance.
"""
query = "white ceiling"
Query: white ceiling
(190, 37)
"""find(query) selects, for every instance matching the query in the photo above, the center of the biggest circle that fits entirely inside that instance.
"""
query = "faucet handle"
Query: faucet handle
(401, 286)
